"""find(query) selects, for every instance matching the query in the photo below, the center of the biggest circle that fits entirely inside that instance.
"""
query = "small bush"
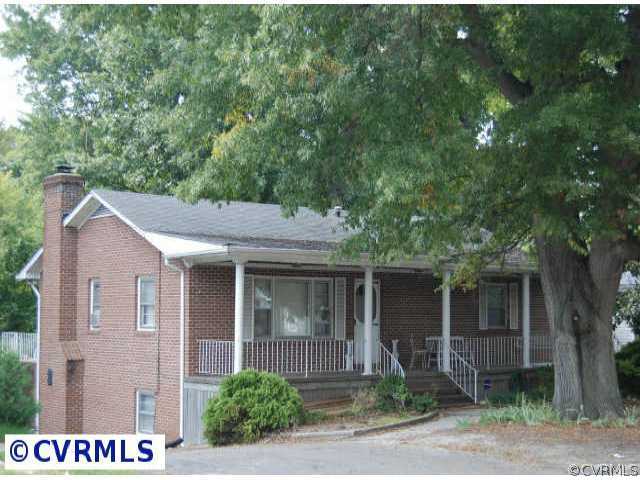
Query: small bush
(249, 405)
(364, 401)
(17, 406)
(392, 394)
(628, 366)
(502, 399)
(523, 411)
(311, 417)
(537, 384)
(423, 403)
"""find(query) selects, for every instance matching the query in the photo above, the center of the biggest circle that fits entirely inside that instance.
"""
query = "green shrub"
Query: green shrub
(310, 417)
(502, 399)
(364, 401)
(523, 411)
(537, 384)
(628, 366)
(249, 405)
(17, 406)
(392, 394)
(423, 403)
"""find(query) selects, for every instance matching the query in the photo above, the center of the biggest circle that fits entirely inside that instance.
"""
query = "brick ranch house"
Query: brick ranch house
(146, 302)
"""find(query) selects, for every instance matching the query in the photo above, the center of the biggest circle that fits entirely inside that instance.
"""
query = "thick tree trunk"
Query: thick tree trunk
(580, 294)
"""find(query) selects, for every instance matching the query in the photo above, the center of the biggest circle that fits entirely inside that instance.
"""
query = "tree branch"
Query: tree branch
(514, 89)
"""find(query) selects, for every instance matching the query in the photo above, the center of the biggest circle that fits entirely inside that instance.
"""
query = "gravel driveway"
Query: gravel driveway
(421, 449)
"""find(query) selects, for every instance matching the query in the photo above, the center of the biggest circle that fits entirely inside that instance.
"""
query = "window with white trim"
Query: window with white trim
(146, 303)
(145, 411)
(497, 301)
(94, 304)
(292, 307)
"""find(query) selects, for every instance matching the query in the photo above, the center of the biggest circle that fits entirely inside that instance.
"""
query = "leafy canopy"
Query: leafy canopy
(430, 124)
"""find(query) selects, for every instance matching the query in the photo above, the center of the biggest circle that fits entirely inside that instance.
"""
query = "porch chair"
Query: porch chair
(433, 344)
(417, 353)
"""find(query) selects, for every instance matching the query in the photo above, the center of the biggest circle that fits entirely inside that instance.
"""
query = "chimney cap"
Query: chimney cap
(64, 168)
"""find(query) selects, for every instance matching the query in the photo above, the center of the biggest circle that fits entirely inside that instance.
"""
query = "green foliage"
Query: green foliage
(628, 302)
(631, 418)
(12, 429)
(249, 405)
(384, 110)
(628, 366)
(311, 417)
(523, 411)
(17, 406)
(501, 399)
(392, 394)
(538, 384)
(364, 402)
(20, 223)
(423, 403)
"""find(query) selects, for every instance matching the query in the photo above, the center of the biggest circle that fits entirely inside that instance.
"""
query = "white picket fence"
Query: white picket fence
(24, 344)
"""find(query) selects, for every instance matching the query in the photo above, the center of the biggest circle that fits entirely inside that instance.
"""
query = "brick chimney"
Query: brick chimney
(61, 365)
(62, 192)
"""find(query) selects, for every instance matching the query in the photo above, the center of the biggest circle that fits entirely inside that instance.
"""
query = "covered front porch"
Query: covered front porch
(315, 322)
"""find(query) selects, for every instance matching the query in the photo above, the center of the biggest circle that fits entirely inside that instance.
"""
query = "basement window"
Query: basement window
(145, 412)
(94, 304)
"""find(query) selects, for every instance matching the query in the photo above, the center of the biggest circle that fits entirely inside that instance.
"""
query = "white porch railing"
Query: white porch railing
(541, 350)
(24, 344)
(497, 352)
(388, 364)
(285, 357)
(490, 352)
(299, 357)
(215, 357)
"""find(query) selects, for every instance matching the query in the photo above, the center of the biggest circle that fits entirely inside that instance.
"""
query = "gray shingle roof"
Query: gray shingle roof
(251, 224)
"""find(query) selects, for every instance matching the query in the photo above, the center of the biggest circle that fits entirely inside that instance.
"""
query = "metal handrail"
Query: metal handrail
(463, 375)
(388, 364)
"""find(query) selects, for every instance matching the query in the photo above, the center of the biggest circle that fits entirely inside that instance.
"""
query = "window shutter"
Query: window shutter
(514, 308)
(483, 306)
(340, 308)
(247, 323)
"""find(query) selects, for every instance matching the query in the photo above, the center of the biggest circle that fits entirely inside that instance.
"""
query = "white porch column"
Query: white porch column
(446, 321)
(368, 320)
(239, 317)
(526, 322)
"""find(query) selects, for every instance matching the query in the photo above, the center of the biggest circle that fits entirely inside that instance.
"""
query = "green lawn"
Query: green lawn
(8, 429)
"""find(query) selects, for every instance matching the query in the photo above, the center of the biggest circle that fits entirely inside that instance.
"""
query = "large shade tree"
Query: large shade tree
(432, 125)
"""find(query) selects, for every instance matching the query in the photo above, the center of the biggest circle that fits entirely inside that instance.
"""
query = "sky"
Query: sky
(11, 101)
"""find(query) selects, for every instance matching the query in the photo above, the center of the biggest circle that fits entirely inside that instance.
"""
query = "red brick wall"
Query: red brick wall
(97, 393)
(119, 359)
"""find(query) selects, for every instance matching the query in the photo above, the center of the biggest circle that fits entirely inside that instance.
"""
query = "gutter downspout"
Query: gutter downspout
(36, 291)
(175, 268)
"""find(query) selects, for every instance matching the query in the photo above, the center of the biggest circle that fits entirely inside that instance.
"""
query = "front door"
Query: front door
(358, 314)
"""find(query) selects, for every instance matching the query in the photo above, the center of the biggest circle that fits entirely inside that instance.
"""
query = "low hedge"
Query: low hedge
(249, 405)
